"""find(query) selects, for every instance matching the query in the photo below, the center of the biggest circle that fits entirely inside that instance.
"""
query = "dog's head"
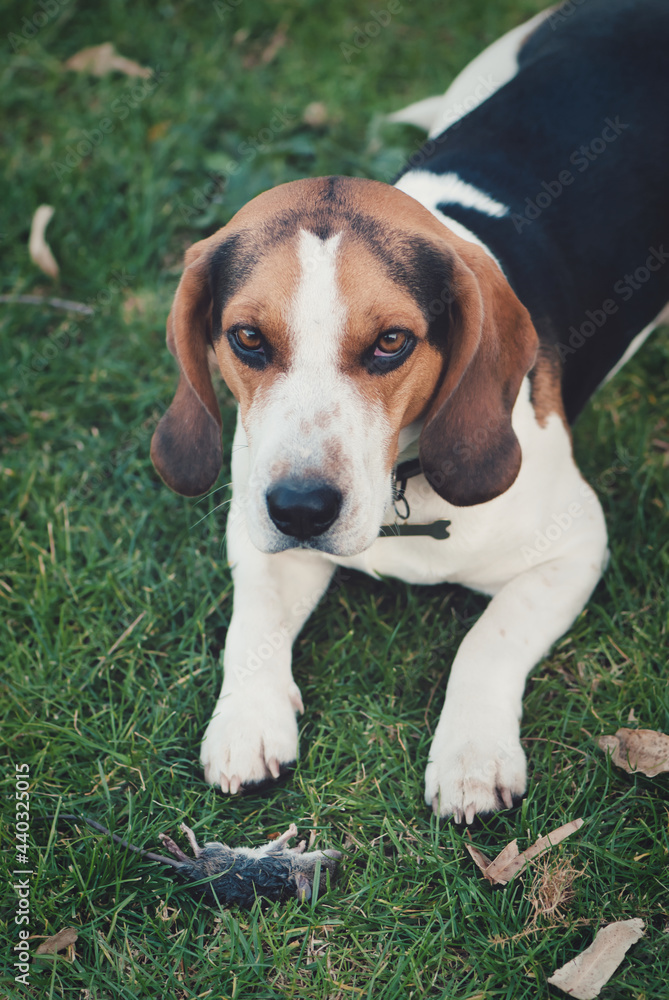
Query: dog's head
(341, 311)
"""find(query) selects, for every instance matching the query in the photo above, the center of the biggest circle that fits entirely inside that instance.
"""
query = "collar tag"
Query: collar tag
(401, 474)
(438, 530)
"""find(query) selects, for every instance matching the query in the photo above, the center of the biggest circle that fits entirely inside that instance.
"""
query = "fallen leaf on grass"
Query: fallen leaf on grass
(510, 861)
(265, 56)
(38, 248)
(585, 975)
(102, 59)
(315, 114)
(58, 942)
(482, 860)
(641, 750)
(277, 42)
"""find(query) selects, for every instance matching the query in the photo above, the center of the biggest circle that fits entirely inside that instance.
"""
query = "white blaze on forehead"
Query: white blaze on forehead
(317, 314)
(313, 420)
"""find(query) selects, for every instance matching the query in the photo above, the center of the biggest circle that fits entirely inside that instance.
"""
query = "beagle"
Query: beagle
(407, 360)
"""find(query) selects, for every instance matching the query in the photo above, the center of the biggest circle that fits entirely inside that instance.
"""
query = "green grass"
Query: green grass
(92, 540)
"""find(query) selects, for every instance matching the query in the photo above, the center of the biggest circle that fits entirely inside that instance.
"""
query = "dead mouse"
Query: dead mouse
(240, 874)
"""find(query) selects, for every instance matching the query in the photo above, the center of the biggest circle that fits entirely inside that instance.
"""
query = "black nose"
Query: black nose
(303, 509)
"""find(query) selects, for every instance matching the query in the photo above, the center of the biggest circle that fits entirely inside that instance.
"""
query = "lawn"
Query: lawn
(116, 594)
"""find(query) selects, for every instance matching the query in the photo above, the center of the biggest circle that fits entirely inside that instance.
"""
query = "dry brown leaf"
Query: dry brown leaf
(263, 56)
(38, 248)
(479, 857)
(585, 975)
(643, 750)
(277, 42)
(509, 862)
(539, 846)
(58, 942)
(102, 59)
(315, 114)
(158, 130)
(498, 866)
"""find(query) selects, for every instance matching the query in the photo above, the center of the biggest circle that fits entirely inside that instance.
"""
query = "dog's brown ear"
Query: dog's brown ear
(186, 446)
(468, 450)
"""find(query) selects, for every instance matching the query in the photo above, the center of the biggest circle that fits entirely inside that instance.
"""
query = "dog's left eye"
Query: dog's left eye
(249, 345)
(391, 349)
(248, 340)
(389, 343)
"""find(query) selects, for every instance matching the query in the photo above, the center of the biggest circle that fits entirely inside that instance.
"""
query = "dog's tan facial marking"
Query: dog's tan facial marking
(279, 469)
(335, 463)
(261, 304)
(377, 304)
(323, 420)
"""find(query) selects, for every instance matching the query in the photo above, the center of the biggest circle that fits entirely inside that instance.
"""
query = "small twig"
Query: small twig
(534, 929)
(124, 635)
(429, 701)
(543, 739)
(69, 305)
(619, 650)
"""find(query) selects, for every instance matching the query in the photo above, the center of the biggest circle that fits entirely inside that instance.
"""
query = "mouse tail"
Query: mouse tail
(162, 858)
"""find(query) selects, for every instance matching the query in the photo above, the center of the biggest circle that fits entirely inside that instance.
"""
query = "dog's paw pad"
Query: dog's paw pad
(250, 737)
(465, 778)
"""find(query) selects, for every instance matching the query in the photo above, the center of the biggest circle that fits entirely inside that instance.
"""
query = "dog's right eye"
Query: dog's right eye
(249, 345)
(248, 340)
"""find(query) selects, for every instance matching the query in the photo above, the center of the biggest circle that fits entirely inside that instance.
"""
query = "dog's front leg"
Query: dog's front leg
(477, 764)
(253, 730)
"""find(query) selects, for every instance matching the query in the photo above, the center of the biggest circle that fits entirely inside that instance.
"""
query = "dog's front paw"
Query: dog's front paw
(474, 768)
(251, 734)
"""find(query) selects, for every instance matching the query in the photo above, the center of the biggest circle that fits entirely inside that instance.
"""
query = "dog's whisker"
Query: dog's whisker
(210, 512)
(211, 493)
